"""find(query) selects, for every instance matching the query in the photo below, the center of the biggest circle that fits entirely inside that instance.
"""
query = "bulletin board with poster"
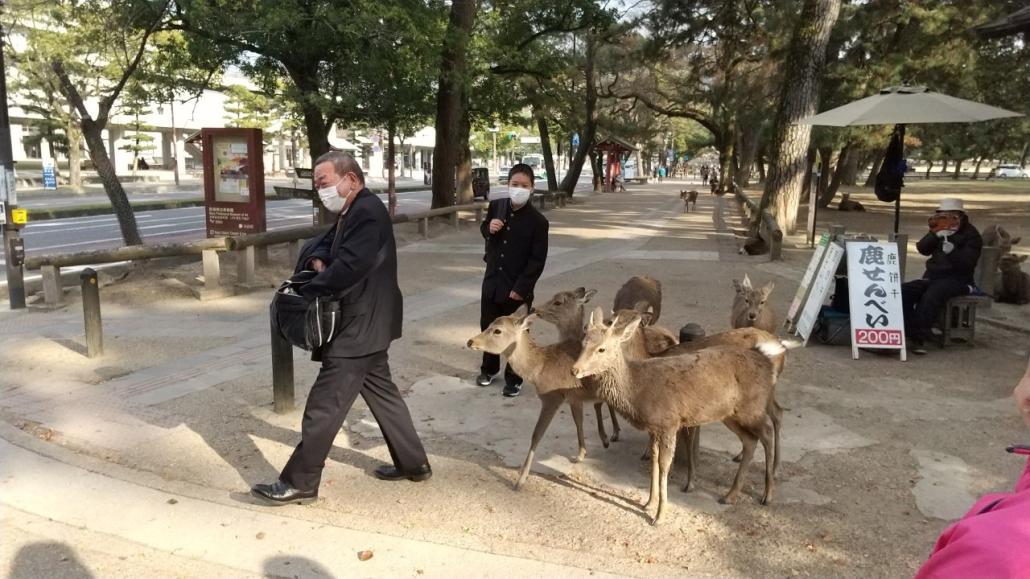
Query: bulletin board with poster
(234, 181)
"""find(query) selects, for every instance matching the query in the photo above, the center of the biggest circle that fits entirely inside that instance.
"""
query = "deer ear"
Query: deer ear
(578, 292)
(747, 282)
(737, 286)
(527, 322)
(1016, 240)
(596, 318)
(647, 318)
(522, 312)
(587, 295)
(768, 288)
(1022, 258)
(630, 330)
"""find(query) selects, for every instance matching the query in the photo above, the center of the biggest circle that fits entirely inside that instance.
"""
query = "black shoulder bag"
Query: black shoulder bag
(312, 323)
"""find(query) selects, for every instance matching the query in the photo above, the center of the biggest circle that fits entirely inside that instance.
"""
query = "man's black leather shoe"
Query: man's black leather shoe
(389, 472)
(280, 493)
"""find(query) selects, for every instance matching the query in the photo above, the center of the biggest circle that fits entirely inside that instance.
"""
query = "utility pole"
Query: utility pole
(15, 279)
(175, 142)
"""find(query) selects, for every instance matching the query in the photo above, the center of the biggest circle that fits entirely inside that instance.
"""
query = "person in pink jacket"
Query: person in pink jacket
(993, 538)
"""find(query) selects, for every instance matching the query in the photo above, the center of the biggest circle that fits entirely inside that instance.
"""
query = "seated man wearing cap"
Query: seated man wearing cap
(953, 245)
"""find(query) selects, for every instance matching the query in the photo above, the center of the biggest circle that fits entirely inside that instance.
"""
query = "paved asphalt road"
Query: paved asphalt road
(174, 225)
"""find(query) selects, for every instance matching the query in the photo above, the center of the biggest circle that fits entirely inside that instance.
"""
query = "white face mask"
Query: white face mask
(330, 197)
(518, 195)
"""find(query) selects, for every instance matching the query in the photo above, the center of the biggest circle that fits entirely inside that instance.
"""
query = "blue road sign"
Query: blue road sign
(49, 177)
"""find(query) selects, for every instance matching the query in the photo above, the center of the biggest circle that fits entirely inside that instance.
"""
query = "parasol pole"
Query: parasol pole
(900, 128)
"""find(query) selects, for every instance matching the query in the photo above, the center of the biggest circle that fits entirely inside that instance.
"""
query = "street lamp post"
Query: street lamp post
(15, 279)
(493, 130)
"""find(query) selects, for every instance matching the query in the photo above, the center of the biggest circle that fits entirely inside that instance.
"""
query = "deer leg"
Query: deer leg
(549, 405)
(653, 499)
(691, 439)
(750, 441)
(577, 417)
(776, 413)
(766, 436)
(615, 424)
(600, 424)
(666, 450)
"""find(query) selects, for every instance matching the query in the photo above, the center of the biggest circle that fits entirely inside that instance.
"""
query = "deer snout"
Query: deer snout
(752, 316)
(472, 344)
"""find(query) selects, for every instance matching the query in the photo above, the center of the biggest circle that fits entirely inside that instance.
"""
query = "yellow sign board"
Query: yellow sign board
(19, 216)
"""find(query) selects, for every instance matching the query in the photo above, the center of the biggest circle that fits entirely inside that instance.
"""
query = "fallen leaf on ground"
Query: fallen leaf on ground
(365, 555)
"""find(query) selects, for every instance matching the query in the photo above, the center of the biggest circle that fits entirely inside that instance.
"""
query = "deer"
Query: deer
(640, 289)
(548, 368)
(751, 308)
(566, 311)
(663, 395)
(689, 199)
(1013, 284)
(997, 236)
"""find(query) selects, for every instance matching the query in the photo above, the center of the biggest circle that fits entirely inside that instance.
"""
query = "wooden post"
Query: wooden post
(91, 313)
(245, 265)
(212, 269)
(454, 221)
(837, 231)
(902, 240)
(261, 255)
(293, 251)
(282, 373)
(52, 289)
(423, 227)
(479, 215)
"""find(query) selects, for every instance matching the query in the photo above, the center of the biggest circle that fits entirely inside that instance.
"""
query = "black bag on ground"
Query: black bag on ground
(306, 323)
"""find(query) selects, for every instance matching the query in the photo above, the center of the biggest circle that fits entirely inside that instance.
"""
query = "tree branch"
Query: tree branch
(108, 101)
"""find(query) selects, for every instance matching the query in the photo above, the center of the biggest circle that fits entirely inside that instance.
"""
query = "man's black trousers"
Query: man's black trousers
(339, 383)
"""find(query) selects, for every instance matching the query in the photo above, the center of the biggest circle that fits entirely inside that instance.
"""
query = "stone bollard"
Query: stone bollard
(91, 313)
(691, 332)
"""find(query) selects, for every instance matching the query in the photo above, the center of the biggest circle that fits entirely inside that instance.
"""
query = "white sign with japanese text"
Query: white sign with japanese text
(821, 286)
(874, 294)
(806, 281)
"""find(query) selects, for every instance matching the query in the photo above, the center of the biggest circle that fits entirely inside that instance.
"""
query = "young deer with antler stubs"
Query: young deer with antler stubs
(663, 395)
(548, 368)
(751, 308)
(566, 310)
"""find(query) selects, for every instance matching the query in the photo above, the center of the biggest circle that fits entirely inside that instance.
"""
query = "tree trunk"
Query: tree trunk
(874, 169)
(391, 177)
(838, 176)
(74, 154)
(810, 159)
(944, 167)
(976, 171)
(747, 149)
(586, 136)
(761, 167)
(450, 100)
(464, 169)
(825, 171)
(799, 97)
(958, 169)
(1026, 152)
(113, 187)
(597, 170)
(545, 145)
(725, 145)
(851, 168)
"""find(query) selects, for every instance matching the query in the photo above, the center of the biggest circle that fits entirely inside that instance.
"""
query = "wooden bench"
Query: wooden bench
(958, 320)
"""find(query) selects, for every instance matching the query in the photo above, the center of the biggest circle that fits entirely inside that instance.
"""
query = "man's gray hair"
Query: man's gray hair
(342, 164)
